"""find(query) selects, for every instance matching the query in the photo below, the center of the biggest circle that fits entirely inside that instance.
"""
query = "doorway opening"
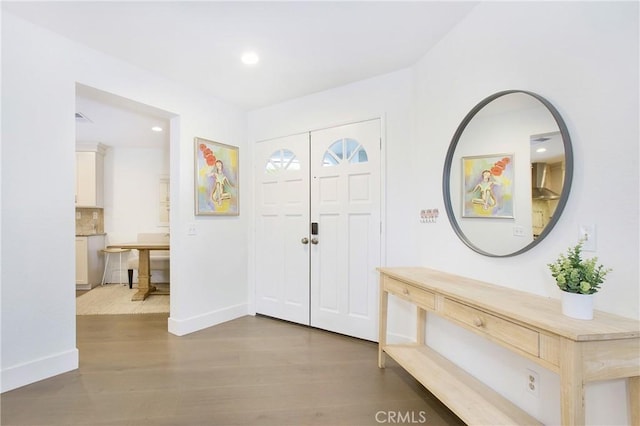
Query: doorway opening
(123, 164)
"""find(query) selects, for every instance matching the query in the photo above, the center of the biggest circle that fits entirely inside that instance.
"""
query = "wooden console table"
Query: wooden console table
(607, 347)
(144, 265)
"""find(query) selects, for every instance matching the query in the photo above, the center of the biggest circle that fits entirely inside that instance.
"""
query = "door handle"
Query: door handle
(314, 241)
(305, 240)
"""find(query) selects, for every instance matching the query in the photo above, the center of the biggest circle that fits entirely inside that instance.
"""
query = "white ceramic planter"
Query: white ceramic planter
(579, 306)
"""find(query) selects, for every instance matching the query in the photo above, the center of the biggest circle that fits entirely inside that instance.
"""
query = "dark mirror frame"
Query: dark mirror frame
(568, 177)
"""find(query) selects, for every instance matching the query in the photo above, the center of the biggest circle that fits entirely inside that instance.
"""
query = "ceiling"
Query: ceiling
(119, 122)
(304, 47)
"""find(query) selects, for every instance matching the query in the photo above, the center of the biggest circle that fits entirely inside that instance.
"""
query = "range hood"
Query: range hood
(539, 177)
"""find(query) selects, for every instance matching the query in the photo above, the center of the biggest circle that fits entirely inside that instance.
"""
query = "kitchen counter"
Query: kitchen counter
(92, 235)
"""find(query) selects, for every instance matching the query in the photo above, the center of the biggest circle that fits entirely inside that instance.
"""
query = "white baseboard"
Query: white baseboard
(399, 339)
(180, 327)
(86, 286)
(39, 369)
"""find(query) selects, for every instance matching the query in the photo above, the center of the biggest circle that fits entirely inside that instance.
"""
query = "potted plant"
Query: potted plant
(578, 279)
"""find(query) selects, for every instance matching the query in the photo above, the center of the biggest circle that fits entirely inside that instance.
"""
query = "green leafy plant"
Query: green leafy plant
(576, 275)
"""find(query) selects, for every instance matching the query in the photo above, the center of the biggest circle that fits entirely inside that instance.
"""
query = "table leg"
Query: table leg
(421, 318)
(382, 331)
(120, 270)
(633, 392)
(144, 276)
(571, 383)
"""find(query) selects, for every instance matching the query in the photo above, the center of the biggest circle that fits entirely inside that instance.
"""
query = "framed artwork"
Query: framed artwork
(487, 186)
(216, 178)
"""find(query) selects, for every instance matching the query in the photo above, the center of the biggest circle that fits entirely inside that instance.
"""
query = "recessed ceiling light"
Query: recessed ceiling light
(541, 150)
(250, 58)
(156, 128)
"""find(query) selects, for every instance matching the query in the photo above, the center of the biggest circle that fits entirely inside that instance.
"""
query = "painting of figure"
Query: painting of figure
(216, 180)
(488, 186)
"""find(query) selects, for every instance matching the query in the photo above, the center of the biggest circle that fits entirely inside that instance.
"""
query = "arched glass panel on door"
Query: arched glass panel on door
(349, 150)
(282, 159)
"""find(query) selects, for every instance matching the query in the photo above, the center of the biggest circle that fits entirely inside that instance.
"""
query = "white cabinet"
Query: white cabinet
(82, 262)
(90, 175)
(89, 261)
(165, 202)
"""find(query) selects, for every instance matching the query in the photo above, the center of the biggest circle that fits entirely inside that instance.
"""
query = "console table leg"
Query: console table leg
(633, 393)
(571, 384)
(382, 330)
(421, 325)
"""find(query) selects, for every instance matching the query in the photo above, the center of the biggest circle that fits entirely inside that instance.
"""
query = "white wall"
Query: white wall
(131, 186)
(131, 204)
(594, 85)
(582, 57)
(39, 74)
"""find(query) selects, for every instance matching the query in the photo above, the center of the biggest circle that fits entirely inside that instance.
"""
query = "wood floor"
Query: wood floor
(250, 371)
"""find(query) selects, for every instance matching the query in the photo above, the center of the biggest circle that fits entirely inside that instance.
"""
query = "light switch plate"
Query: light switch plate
(588, 235)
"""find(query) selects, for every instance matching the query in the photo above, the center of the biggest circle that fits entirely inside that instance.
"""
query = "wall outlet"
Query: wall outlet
(533, 382)
(78, 215)
(518, 231)
(95, 215)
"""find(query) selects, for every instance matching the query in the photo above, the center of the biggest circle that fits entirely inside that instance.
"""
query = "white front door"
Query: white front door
(345, 203)
(318, 224)
(282, 221)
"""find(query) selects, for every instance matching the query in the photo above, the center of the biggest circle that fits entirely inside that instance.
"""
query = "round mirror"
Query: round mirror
(507, 173)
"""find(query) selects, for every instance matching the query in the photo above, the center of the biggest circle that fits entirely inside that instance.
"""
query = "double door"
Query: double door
(318, 228)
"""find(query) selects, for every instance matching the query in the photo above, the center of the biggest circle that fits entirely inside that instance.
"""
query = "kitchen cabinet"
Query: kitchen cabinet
(165, 202)
(90, 175)
(89, 261)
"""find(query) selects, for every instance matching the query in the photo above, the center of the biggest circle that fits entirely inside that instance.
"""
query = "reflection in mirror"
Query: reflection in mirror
(507, 173)
(547, 178)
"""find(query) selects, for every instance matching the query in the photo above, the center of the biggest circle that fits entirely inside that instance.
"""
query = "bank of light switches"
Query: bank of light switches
(429, 215)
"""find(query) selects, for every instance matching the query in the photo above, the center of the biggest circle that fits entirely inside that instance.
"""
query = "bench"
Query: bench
(159, 259)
